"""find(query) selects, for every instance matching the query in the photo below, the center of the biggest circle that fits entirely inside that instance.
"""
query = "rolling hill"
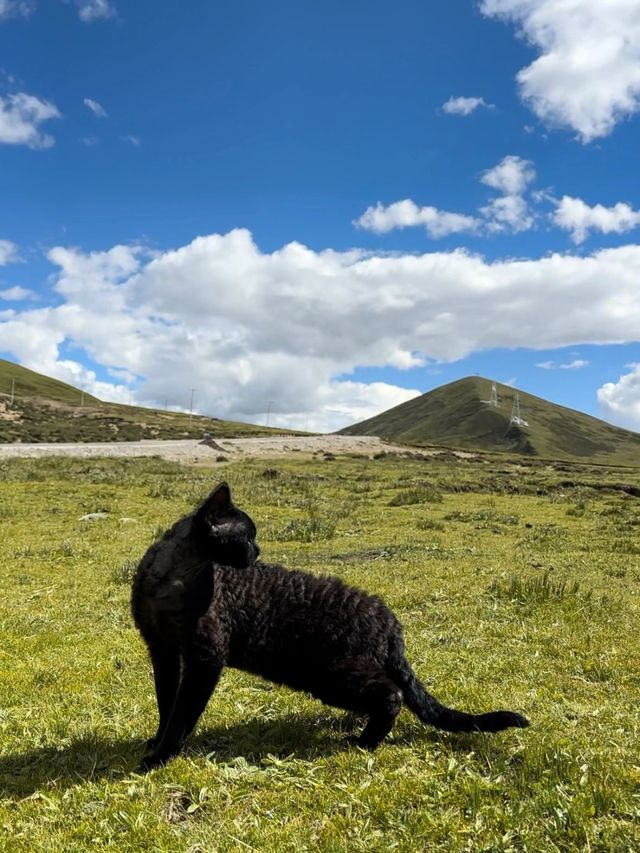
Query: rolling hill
(457, 416)
(44, 409)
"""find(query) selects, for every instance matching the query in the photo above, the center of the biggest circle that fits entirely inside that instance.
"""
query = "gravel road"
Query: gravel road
(195, 452)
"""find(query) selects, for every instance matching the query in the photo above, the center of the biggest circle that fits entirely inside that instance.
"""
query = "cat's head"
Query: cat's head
(227, 533)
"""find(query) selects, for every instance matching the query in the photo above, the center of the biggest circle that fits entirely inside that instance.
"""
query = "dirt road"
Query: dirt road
(196, 452)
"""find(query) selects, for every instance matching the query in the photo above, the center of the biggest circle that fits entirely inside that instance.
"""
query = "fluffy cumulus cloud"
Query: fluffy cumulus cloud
(406, 214)
(513, 211)
(281, 331)
(509, 212)
(94, 10)
(464, 106)
(620, 401)
(587, 74)
(511, 176)
(576, 216)
(20, 118)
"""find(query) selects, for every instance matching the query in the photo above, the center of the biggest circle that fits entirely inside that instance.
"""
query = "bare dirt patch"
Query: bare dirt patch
(232, 449)
(8, 414)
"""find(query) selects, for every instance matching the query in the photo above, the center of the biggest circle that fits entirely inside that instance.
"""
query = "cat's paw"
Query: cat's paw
(358, 740)
(150, 762)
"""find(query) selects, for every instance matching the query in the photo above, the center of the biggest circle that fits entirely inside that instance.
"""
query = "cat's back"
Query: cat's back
(278, 588)
(277, 614)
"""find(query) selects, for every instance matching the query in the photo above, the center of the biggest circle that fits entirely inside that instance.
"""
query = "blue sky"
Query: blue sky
(322, 208)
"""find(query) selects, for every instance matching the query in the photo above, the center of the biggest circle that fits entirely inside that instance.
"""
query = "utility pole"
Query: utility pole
(13, 391)
(191, 405)
(81, 398)
(266, 423)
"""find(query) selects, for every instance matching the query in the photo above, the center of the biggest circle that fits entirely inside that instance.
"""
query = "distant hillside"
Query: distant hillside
(45, 409)
(455, 415)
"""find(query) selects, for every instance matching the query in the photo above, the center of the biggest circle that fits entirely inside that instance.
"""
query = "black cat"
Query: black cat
(202, 602)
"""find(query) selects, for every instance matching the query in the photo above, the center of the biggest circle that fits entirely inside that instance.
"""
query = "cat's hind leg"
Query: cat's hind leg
(361, 685)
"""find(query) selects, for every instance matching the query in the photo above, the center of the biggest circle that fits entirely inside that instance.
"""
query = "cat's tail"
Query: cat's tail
(427, 708)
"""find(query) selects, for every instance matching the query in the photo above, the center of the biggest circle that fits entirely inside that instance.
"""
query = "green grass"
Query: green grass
(508, 600)
(455, 415)
(47, 410)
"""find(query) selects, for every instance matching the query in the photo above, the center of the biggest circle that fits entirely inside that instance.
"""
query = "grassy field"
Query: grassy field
(518, 585)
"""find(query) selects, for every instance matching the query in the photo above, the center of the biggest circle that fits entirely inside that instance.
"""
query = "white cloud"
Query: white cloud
(8, 253)
(574, 215)
(341, 403)
(93, 10)
(122, 375)
(511, 176)
(20, 118)
(86, 379)
(620, 400)
(587, 76)
(507, 213)
(15, 8)
(245, 327)
(133, 140)
(89, 141)
(96, 108)
(510, 212)
(15, 294)
(464, 106)
(576, 364)
(407, 214)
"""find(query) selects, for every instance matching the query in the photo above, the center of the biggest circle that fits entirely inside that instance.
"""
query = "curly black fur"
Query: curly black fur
(202, 602)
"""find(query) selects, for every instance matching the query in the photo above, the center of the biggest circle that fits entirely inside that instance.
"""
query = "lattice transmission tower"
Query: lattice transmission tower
(493, 400)
(516, 417)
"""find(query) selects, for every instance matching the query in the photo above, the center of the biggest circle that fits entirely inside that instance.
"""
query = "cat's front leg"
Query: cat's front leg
(199, 677)
(165, 660)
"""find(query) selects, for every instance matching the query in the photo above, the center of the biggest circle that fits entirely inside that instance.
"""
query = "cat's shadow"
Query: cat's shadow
(93, 757)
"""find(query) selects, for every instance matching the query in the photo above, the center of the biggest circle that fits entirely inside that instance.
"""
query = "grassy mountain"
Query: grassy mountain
(44, 409)
(456, 415)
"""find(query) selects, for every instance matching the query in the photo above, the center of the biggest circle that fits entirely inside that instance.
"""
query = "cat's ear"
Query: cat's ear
(217, 505)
